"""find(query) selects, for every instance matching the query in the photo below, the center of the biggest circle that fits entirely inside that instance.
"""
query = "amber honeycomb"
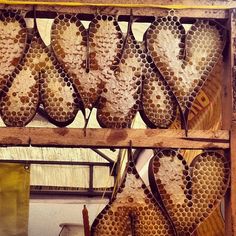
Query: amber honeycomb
(87, 55)
(185, 60)
(158, 102)
(133, 211)
(38, 75)
(13, 34)
(121, 100)
(58, 95)
(189, 193)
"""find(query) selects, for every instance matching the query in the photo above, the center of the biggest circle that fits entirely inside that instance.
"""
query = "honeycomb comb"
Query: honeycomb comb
(45, 80)
(158, 102)
(13, 35)
(58, 95)
(87, 56)
(19, 99)
(189, 194)
(133, 211)
(121, 100)
(185, 60)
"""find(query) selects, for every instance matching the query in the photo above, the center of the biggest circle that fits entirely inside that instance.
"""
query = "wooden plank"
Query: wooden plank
(143, 138)
(103, 138)
(227, 111)
(233, 58)
(15, 137)
(231, 205)
(121, 11)
(195, 3)
(227, 80)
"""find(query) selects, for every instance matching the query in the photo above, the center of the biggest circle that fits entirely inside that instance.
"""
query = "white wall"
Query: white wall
(45, 215)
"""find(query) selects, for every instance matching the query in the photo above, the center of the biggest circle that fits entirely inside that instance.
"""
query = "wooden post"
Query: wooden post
(231, 223)
(228, 117)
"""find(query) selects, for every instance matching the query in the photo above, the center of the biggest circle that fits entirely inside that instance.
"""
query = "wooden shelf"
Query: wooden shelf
(114, 138)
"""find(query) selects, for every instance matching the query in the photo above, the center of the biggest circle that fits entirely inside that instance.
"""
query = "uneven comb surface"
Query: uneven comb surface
(89, 67)
(158, 102)
(189, 194)
(58, 95)
(185, 61)
(38, 72)
(134, 211)
(13, 34)
(121, 99)
(20, 97)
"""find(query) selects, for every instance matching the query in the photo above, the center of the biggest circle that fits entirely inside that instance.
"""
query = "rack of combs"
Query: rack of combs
(162, 77)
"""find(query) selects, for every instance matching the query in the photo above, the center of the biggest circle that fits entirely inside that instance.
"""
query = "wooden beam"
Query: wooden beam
(233, 58)
(231, 204)
(121, 11)
(193, 3)
(227, 78)
(107, 138)
(228, 111)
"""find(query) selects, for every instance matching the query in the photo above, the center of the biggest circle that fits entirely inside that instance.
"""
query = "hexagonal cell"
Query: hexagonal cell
(190, 192)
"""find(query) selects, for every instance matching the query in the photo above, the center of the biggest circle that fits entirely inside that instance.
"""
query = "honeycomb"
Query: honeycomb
(87, 56)
(133, 211)
(185, 60)
(100, 68)
(20, 100)
(46, 81)
(57, 92)
(158, 102)
(188, 193)
(120, 101)
(13, 35)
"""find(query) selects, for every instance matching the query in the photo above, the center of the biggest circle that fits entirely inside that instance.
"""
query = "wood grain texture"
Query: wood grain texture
(145, 138)
(160, 2)
(213, 226)
(186, 13)
(231, 203)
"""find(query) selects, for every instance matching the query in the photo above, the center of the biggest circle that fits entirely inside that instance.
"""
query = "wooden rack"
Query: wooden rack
(197, 139)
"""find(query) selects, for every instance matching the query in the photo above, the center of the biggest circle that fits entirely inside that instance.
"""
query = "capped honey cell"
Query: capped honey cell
(189, 193)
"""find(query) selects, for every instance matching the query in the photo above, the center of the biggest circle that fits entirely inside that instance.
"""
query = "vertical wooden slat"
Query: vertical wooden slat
(228, 111)
(231, 223)
(227, 79)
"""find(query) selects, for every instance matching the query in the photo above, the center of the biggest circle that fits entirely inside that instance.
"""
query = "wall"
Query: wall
(46, 214)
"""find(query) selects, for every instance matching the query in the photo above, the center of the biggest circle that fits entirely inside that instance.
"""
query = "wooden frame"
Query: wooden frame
(102, 138)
